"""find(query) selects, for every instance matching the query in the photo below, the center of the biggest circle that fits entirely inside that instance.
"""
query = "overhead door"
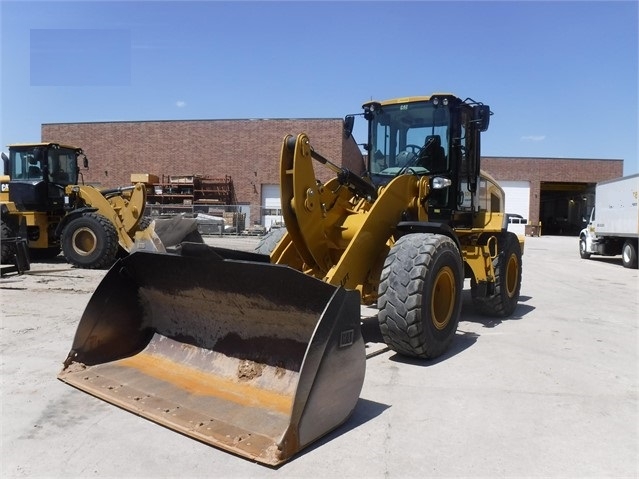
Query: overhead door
(517, 203)
(517, 197)
(271, 205)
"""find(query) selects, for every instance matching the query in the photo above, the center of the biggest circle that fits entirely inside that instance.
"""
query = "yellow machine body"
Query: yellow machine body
(343, 239)
(260, 354)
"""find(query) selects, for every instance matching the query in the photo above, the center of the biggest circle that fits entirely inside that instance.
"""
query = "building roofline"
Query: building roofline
(553, 158)
(190, 120)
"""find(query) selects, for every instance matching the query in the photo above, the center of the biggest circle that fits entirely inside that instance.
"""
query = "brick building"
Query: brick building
(556, 192)
(246, 151)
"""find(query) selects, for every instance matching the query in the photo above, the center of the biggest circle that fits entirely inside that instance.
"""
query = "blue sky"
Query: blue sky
(560, 77)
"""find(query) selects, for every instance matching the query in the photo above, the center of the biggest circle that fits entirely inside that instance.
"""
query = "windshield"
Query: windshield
(33, 162)
(412, 135)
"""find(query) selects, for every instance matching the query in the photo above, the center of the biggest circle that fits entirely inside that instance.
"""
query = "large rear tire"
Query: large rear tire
(90, 241)
(270, 240)
(8, 249)
(507, 266)
(420, 295)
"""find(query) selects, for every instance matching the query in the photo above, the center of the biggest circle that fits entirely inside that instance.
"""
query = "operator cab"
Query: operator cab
(410, 137)
(435, 135)
(39, 174)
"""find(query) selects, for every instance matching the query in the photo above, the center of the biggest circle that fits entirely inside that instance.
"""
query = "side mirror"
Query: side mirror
(5, 164)
(85, 161)
(481, 117)
(349, 122)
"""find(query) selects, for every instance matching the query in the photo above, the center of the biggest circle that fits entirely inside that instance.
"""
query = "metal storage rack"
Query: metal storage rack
(189, 194)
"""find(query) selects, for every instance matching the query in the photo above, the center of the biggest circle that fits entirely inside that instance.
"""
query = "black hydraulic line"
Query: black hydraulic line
(347, 177)
(116, 191)
(358, 185)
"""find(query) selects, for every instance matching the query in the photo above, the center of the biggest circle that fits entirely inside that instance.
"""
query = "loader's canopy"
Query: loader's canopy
(254, 358)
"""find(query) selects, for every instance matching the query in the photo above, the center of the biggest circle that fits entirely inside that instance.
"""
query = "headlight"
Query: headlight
(439, 182)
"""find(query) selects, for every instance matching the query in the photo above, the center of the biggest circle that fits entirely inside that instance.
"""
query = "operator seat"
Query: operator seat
(34, 172)
(60, 177)
(433, 158)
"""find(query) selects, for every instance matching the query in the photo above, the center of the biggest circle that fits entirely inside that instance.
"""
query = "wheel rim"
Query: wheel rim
(512, 273)
(626, 253)
(582, 246)
(443, 298)
(84, 241)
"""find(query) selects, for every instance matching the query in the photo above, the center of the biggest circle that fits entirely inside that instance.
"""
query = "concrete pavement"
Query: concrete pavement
(550, 392)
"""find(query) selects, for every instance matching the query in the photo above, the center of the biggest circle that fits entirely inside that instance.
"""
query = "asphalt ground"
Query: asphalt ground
(549, 392)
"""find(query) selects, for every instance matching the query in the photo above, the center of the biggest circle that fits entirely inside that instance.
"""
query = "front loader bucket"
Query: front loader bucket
(253, 358)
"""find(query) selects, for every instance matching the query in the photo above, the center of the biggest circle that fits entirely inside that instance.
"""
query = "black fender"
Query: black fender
(406, 227)
(71, 216)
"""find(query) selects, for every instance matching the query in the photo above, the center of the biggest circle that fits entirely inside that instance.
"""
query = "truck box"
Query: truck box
(616, 210)
(613, 228)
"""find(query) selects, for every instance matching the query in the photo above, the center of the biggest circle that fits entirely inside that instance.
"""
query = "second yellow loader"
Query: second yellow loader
(43, 202)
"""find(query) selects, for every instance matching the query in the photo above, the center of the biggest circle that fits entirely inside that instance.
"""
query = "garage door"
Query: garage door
(517, 202)
(271, 205)
(517, 197)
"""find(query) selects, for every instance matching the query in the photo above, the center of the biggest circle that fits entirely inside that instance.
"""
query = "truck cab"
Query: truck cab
(588, 238)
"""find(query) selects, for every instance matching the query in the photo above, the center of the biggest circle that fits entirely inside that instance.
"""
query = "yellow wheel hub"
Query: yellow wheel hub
(84, 241)
(443, 298)
(512, 274)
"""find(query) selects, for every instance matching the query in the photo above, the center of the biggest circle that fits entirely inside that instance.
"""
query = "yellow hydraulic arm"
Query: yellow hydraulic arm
(124, 208)
(338, 231)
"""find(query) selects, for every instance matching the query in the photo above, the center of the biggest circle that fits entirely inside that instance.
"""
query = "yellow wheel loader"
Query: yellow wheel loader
(260, 354)
(42, 202)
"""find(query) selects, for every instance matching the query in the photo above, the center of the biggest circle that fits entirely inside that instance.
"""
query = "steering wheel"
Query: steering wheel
(415, 148)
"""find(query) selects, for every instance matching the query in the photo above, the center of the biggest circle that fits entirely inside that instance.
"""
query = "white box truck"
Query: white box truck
(614, 221)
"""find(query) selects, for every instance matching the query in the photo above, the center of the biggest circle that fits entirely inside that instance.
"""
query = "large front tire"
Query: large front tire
(507, 267)
(90, 241)
(420, 295)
